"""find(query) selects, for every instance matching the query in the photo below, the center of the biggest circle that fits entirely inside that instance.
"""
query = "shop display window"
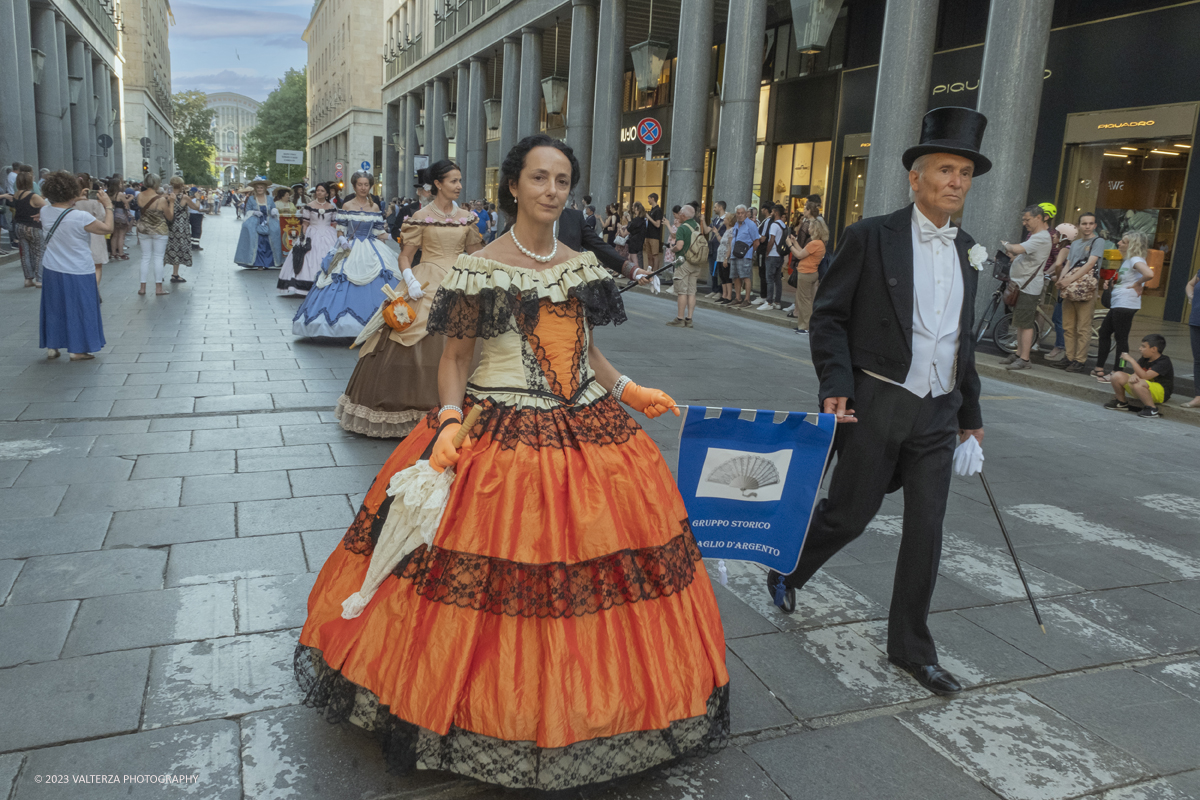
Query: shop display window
(800, 170)
(1132, 185)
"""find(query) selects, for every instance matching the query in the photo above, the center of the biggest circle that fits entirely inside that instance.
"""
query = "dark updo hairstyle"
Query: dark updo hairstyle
(514, 163)
(436, 172)
(61, 186)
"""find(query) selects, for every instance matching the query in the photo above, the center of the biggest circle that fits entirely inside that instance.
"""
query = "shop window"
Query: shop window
(759, 155)
(764, 107)
(1132, 185)
(800, 170)
(633, 100)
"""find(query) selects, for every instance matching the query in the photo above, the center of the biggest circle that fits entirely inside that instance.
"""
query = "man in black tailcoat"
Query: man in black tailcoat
(891, 344)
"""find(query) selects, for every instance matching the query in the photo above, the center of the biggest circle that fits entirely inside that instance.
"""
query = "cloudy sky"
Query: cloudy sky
(241, 46)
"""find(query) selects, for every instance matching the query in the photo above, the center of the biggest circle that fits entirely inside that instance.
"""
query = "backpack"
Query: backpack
(697, 252)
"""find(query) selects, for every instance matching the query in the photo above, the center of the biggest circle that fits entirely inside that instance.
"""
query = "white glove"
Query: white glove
(342, 243)
(968, 457)
(256, 213)
(414, 286)
(655, 285)
(275, 212)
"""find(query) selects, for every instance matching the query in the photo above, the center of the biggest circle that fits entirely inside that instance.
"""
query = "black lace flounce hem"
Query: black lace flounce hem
(493, 312)
(294, 283)
(551, 590)
(514, 764)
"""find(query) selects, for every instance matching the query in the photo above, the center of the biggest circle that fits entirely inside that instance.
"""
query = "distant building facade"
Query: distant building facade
(345, 116)
(149, 135)
(236, 115)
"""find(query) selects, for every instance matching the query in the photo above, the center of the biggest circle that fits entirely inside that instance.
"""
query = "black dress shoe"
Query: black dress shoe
(933, 677)
(782, 595)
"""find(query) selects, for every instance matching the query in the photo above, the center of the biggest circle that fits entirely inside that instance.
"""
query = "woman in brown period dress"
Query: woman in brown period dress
(394, 383)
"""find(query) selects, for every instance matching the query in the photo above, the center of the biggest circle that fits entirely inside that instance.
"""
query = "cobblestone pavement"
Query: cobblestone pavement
(164, 508)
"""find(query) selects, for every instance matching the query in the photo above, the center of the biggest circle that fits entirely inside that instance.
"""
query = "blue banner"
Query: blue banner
(750, 480)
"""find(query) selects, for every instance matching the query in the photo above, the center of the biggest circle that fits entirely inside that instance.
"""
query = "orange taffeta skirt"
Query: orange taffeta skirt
(560, 631)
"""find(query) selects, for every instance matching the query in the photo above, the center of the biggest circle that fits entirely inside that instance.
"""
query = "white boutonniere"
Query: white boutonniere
(977, 255)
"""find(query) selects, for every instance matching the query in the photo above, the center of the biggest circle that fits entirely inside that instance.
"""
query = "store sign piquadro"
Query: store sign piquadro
(1137, 123)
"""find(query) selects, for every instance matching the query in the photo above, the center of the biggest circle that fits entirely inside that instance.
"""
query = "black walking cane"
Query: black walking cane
(1012, 550)
(629, 286)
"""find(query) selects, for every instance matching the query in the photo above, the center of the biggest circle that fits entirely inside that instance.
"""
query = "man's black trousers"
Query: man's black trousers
(897, 434)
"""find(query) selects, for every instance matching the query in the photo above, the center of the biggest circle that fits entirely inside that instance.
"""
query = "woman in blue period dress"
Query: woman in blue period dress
(317, 217)
(70, 314)
(257, 249)
(348, 287)
(559, 628)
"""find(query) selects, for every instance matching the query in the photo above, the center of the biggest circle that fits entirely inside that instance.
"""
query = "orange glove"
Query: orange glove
(446, 451)
(651, 402)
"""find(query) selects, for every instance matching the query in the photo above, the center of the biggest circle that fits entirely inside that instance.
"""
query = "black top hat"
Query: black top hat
(951, 129)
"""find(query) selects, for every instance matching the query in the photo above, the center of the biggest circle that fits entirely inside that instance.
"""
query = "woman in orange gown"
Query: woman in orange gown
(560, 630)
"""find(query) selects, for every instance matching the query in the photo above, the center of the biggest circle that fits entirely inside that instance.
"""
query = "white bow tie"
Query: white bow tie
(928, 233)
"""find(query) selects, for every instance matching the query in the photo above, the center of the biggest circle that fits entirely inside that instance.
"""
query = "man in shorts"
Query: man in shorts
(741, 256)
(687, 229)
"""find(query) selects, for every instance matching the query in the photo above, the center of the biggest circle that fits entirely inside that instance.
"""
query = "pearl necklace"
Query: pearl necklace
(540, 259)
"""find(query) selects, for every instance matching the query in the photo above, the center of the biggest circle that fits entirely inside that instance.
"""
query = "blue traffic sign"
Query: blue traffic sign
(366, 166)
(649, 131)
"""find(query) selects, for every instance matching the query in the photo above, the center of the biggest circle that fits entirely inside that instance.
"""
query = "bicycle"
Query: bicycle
(1004, 335)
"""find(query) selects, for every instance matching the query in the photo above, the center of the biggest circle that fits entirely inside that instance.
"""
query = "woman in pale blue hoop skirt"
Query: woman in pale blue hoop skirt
(348, 288)
(257, 250)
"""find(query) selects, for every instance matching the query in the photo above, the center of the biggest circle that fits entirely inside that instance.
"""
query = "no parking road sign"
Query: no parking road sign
(649, 132)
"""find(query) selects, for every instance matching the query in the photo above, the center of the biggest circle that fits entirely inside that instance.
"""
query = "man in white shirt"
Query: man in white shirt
(196, 217)
(891, 344)
(1027, 273)
(772, 246)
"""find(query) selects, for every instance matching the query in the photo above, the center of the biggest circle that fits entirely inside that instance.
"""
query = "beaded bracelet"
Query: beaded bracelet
(446, 408)
(619, 387)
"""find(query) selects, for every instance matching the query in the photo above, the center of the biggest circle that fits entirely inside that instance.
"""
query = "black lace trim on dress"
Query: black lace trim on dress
(515, 764)
(493, 312)
(603, 422)
(556, 589)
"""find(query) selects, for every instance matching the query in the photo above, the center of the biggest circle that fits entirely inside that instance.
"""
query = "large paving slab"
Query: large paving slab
(273, 603)
(874, 758)
(1158, 726)
(65, 533)
(145, 619)
(264, 517)
(34, 633)
(1182, 676)
(1022, 749)
(221, 678)
(90, 574)
(73, 699)
(201, 760)
(150, 493)
(1154, 622)
(229, 559)
(154, 527)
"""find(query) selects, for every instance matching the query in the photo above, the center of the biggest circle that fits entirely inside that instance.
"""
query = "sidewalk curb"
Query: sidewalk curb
(1042, 378)
(1047, 380)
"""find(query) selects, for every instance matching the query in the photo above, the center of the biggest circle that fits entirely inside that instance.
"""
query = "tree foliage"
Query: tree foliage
(282, 125)
(194, 142)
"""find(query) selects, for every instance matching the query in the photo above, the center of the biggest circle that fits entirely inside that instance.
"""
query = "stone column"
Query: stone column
(739, 107)
(1010, 94)
(24, 73)
(689, 112)
(12, 136)
(510, 94)
(476, 166)
(435, 125)
(581, 88)
(606, 120)
(529, 108)
(48, 92)
(80, 144)
(427, 107)
(64, 89)
(118, 127)
(463, 112)
(901, 97)
(91, 109)
(403, 182)
(390, 174)
(411, 117)
(103, 87)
